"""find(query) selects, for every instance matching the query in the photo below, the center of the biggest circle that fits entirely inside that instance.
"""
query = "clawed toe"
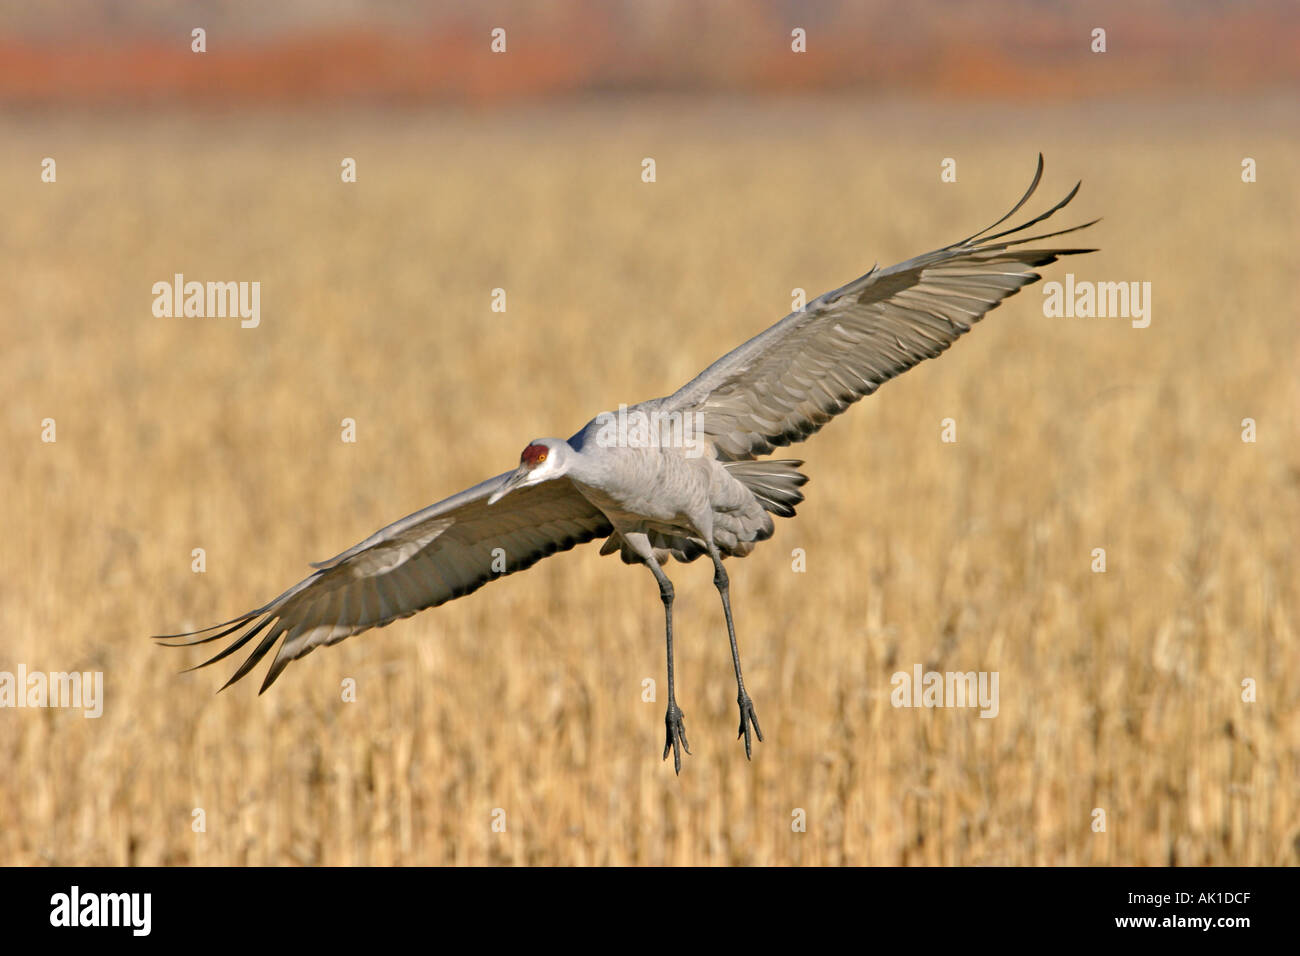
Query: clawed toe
(747, 717)
(676, 736)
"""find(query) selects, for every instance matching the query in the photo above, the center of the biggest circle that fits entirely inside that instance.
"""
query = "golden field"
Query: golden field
(1120, 691)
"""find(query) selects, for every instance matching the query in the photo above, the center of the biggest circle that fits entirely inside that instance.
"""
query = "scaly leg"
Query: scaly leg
(747, 715)
(676, 731)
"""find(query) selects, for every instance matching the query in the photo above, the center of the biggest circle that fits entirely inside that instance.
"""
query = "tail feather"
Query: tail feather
(774, 482)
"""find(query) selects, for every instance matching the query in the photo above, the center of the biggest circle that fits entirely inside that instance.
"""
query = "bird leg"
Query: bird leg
(676, 731)
(747, 715)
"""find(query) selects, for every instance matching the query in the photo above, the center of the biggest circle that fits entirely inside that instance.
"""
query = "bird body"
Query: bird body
(675, 477)
(677, 498)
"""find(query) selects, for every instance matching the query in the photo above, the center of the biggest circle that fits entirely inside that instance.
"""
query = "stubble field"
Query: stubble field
(523, 704)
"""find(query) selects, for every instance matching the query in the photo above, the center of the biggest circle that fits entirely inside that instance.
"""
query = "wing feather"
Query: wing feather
(785, 383)
(421, 561)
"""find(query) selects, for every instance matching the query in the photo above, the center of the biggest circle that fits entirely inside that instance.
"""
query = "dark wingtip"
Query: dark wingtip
(1033, 185)
(272, 674)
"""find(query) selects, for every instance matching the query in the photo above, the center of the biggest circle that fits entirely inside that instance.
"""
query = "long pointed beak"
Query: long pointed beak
(509, 485)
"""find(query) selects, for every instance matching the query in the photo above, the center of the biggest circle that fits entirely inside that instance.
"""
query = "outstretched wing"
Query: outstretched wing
(423, 560)
(785, 383)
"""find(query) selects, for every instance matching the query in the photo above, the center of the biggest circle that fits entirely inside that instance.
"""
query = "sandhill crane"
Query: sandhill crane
(676, 476)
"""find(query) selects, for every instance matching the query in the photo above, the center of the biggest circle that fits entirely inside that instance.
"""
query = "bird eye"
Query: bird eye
(541, 458)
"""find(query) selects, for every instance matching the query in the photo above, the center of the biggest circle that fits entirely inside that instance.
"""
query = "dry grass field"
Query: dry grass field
(1120, 691)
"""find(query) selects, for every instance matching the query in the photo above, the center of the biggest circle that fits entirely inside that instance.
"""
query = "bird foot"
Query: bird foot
(676, 739)
(747, 717)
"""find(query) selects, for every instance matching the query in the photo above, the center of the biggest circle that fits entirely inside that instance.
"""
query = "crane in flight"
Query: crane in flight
(673, 477)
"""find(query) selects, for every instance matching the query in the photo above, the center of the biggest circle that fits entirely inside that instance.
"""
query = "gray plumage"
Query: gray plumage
(651, 499)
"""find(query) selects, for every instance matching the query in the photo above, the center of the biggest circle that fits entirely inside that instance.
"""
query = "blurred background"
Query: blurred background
(302, 52)
(776, 170)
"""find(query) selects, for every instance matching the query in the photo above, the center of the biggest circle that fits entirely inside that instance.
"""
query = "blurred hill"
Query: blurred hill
(405, 52)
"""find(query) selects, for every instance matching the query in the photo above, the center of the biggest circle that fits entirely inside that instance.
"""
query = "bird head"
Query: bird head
(542, 460)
